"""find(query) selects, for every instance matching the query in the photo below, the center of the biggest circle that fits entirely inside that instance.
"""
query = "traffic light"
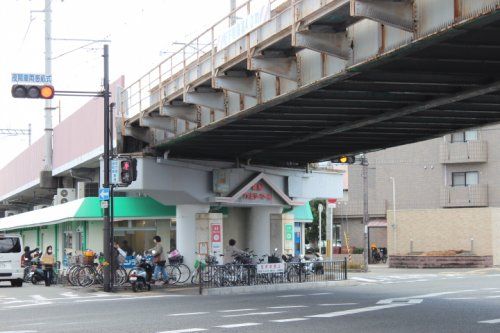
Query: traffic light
(345, 159)
(32, 91)
(128, 170)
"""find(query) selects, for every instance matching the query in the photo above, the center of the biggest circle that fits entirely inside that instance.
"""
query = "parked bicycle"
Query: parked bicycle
(176, 259)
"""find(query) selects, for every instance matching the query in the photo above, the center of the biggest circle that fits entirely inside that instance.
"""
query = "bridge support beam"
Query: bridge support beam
(241, 82)
(281, 67)
(395, 13)
(182, 111)
(164, 123)
(210, 98)
(333, 43)
(139, 133)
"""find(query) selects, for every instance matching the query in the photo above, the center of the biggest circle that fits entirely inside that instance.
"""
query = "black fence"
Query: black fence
(229, 275)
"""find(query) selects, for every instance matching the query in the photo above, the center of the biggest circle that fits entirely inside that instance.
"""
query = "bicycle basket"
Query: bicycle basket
(88, 260)
(176, 260)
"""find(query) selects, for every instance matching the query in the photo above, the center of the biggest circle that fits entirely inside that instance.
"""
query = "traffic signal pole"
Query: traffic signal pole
(107, 236)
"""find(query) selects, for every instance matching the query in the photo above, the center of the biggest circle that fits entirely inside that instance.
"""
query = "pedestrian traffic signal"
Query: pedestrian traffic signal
(32, 91)
(128, 170)
(345, 159)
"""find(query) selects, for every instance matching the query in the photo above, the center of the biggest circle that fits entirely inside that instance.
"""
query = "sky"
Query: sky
(140, 32)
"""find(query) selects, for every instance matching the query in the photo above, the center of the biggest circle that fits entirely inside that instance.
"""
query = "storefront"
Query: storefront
(77, 225)
(302, 215)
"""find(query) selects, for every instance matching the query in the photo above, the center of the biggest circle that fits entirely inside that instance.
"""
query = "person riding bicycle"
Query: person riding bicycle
(159, 260)
(232, 250)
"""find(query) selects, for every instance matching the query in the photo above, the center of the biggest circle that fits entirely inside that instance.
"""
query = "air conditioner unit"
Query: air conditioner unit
(11, 212)
(64, 195)
(37, 207)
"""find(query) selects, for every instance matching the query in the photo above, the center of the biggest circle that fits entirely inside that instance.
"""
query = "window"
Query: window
(464, 136)
(465, 178)
(10, 245)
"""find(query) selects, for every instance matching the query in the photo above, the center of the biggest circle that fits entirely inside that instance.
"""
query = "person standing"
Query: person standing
(159, 260)
(48, 265)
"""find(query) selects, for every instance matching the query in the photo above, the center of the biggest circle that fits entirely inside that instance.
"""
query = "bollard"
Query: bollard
(472, 245)
(411, 245)
(200, 279)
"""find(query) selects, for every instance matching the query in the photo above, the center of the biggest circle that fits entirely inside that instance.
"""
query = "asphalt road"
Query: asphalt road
(402, 301)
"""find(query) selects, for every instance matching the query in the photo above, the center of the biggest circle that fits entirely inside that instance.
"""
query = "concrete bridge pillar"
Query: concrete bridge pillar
(281, 233)
(259, 229)
(187, 230)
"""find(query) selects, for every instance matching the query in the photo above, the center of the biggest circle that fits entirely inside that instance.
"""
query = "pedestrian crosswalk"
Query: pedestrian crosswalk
(408, 278)
(34, 300)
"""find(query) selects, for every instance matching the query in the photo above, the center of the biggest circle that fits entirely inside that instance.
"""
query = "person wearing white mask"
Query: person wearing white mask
(48, 262)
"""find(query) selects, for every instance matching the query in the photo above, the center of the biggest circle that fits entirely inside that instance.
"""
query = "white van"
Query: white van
(11, 251)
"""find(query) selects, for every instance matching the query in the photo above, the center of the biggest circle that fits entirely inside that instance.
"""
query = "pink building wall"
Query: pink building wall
(76, 139)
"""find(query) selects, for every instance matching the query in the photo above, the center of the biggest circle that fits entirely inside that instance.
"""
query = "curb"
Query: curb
(276, 287)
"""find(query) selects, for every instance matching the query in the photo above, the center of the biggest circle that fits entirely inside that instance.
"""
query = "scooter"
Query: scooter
(36, 271)
(140, 276)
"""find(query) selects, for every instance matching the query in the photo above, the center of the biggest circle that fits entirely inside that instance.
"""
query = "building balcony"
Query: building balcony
(464, 196)
(463, 152)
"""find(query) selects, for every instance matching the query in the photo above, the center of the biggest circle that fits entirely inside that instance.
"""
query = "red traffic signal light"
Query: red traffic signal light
(128, 170)
(32, 91)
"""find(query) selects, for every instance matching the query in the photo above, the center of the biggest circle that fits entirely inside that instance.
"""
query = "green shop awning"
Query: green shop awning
(125, 208)
(302, 213)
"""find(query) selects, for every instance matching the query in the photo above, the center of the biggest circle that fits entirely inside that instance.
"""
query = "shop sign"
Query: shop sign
(258, 193)
(289, 244)
(270, 268)
(216, 239)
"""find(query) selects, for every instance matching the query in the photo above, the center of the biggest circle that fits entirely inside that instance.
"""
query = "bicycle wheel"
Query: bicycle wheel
(71, 275)
(120, 276)
(185, 273)
(174, 273)
(85, 276)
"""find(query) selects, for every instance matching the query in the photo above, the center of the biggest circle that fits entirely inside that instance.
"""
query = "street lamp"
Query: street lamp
(320, 211)
(393, 225)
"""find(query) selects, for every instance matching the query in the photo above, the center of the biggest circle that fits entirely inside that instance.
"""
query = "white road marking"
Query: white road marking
(187, 314)
(236, 310)
(443, 293)
(460, 298)
(253, 314)
(237, 325)
(319, 294)
(496, 296)
(337, 304)
(492, 321)
(490, 289)
(69, 294)
(356, 311)
(285, 296)
(288, 320)
(363, 279)
(39, 298)
(401, 301)
(287, 307)
(18, 331)
(26, 305)
(119, 299)
(187, 330)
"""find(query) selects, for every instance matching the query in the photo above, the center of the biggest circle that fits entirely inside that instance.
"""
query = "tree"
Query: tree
(313, 230)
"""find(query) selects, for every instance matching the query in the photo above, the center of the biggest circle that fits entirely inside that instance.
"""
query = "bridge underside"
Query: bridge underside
(443, 83)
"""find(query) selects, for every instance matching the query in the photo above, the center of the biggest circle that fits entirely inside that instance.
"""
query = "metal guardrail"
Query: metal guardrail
(136, 97)
(230, 275)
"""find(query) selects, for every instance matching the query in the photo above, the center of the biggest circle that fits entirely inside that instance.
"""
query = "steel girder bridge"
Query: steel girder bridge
(314, 79)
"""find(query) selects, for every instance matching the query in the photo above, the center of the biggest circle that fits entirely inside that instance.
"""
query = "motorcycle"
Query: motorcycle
(140, 276)
(315, 263)
(36, 271)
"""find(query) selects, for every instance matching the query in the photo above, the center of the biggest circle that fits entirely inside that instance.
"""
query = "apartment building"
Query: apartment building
(447, 196)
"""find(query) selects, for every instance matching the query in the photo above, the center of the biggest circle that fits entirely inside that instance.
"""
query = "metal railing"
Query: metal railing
(231, 275)
(141, 94)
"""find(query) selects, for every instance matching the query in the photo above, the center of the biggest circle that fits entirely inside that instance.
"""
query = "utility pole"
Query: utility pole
(320, 211)
(107, 236)
(364, 163)
(48, 72)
